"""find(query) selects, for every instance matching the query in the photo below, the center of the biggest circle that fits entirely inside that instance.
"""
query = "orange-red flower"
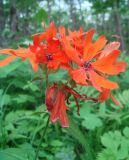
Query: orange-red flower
(76, 37)
(55, 102)
(105, 94)
(49, 33)
(96, 62)
(53, 53)
(56, 97)
(23, 53)
(46, 49)
(88, 62)
(49, 53)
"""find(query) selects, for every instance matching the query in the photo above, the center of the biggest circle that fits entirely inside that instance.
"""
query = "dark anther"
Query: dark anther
(87, 65)
(49, 57)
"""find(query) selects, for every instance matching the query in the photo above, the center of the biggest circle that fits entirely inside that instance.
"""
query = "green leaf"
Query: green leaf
(123, 98)
(23, 98)
(123, 150)
(58, 76)
(108, 137)
(41, 15)
(126, 132)
(4, 71)
(16, 154)
(116, 145)
(65, 154)
(90, 120)
(76, 133)
(56, 143)
(106, 154)
(31, 86)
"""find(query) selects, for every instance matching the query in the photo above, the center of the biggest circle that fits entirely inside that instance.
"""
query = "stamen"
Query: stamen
(49, 57)
(87, 65)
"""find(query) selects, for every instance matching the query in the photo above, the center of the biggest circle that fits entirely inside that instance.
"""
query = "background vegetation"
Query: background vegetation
(103, 128)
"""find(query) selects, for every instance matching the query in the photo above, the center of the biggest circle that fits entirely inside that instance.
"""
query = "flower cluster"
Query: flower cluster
(89, 63)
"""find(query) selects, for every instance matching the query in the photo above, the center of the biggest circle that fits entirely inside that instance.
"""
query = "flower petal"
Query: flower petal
(50, 96)
(50, 32)
(79, 76)
(96, 47)
(88, 41)
(36, 41)
(71, 53)
(34, 64)
(116, 101)
(62, 31)
(59, 110)
(7, 51)
(110, 59)
(108, 65)
(53, 64)
(109, 48)
(121, 66)
(104, 95)
(100, 82)
(7, 60)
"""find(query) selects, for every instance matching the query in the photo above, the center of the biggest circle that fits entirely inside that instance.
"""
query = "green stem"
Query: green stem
(46, 77)
(42, 137)
(89, 154)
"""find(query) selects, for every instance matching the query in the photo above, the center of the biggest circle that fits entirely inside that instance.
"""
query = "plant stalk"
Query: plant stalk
(42, 137)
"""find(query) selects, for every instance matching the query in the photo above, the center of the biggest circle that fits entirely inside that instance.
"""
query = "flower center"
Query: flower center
(49, 57)
(87, 65)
